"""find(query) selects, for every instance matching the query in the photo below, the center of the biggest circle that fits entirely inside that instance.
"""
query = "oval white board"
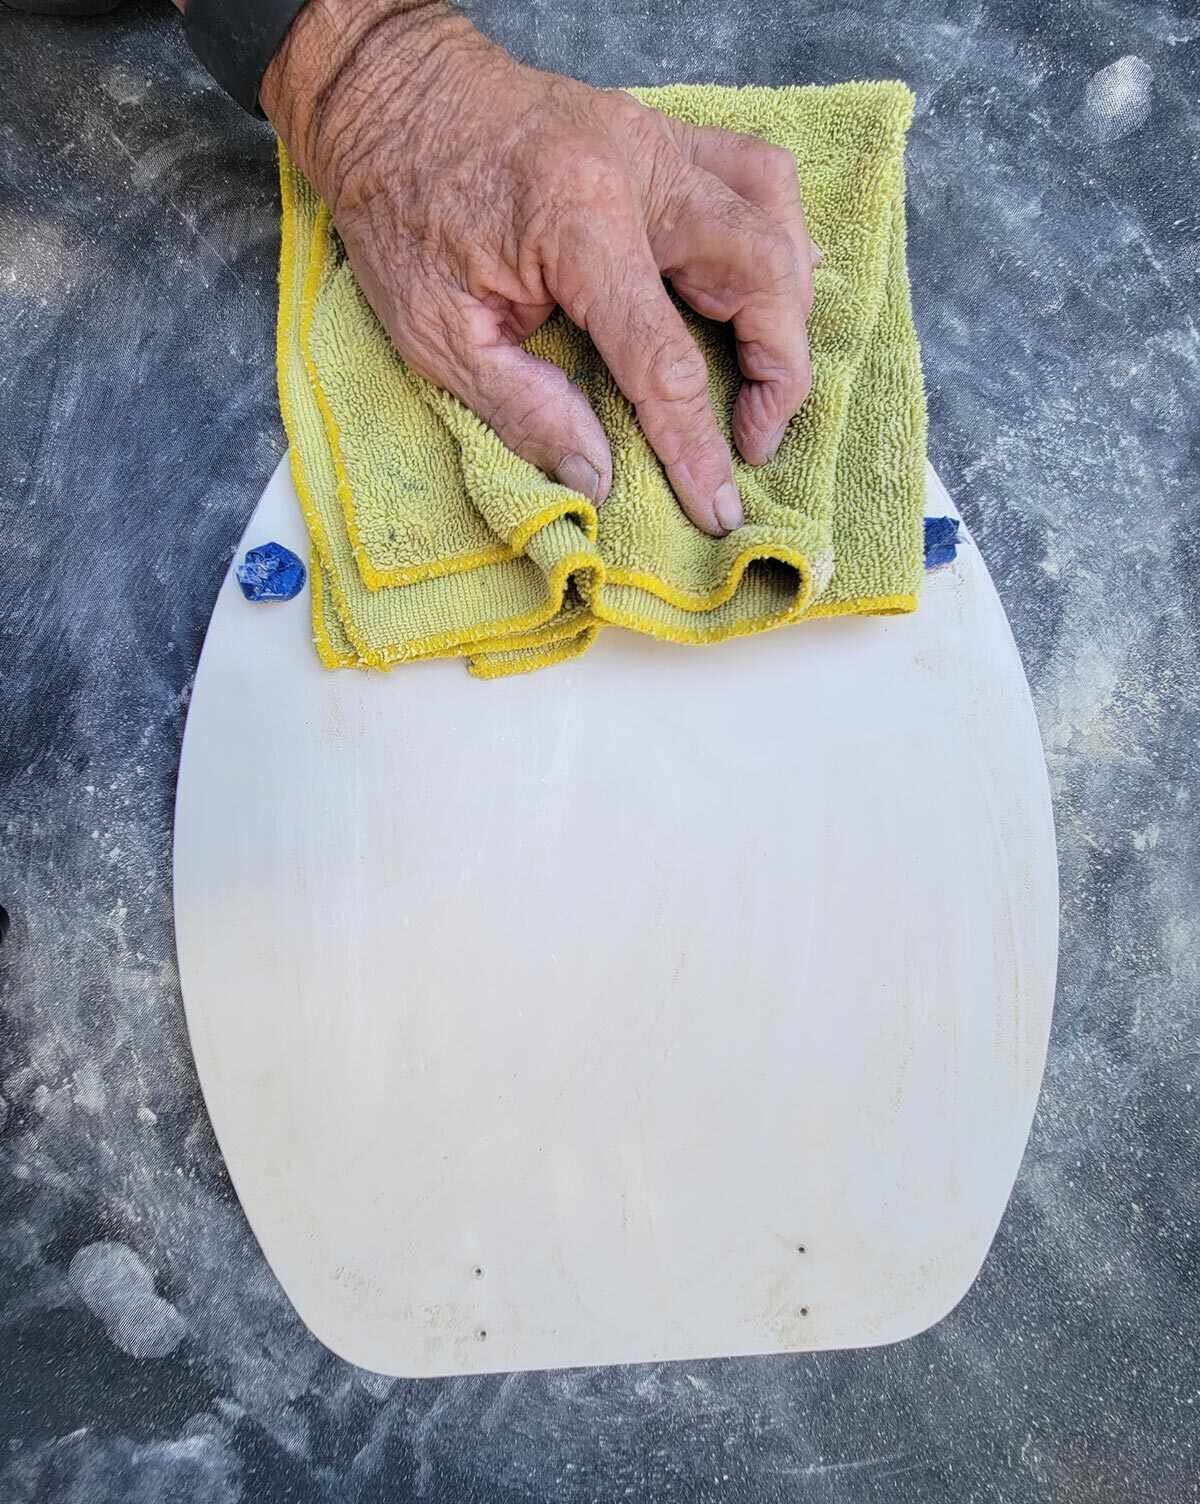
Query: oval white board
(665, 1004)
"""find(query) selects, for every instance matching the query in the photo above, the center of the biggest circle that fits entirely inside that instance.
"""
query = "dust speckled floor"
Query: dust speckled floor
(1056, 262)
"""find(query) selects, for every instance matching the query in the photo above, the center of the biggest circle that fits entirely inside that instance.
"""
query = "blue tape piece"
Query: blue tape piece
(941, 541)
(271, 573)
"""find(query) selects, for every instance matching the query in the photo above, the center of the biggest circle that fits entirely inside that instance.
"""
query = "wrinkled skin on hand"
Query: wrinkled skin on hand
(474, 194)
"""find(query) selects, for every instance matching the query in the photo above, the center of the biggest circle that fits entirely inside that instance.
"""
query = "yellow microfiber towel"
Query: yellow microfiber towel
(431, 539)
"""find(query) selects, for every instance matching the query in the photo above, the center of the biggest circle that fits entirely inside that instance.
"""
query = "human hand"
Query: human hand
(474, 194)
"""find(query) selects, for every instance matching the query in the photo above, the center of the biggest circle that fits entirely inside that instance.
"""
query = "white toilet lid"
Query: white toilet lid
(669, 1003)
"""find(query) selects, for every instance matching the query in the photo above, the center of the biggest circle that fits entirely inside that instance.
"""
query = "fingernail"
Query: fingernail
(728, 506)
(578, 474)
(818, 255)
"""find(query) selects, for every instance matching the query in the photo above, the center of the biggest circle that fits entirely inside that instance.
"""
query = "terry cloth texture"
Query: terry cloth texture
(431, 539)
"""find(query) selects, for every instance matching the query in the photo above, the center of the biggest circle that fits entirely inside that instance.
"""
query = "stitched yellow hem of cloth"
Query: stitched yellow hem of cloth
(502, 657)
(430, 539)
(879, 605)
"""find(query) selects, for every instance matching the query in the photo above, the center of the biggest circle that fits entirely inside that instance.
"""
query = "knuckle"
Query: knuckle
(685, 431)
(580, 213)
(518, 423)
(645, 132)
(776, 164)
(576, 294)
(775, 167)
(675, 371)
(780, 269)
(769, 279)
(594, 176)
(583, 285)
(764, 362)
(624, 109)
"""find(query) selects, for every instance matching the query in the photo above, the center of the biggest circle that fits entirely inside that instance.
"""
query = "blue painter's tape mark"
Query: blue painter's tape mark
(941, 541)
(270, 573)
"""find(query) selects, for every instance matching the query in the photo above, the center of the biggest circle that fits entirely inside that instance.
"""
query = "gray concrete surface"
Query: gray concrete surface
(146, 1352)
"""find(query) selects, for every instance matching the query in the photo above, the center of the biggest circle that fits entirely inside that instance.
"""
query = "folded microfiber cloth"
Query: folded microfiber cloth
(431, 539)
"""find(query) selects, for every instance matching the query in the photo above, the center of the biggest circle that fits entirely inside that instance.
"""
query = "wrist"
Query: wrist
(342, 61)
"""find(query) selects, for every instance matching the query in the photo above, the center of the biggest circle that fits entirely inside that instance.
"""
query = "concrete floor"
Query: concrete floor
(1055, 253)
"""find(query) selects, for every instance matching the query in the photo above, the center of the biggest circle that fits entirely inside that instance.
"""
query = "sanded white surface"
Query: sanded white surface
(544, 1021)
